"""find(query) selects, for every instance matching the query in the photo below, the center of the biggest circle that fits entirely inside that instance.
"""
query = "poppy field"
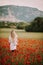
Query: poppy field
(28, 52)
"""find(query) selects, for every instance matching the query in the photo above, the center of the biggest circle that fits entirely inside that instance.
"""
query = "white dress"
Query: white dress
(13, 44)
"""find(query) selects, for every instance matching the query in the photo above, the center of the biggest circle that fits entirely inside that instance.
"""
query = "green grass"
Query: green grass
(4, 33)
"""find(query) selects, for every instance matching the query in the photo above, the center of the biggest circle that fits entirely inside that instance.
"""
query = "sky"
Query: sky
(30, 3)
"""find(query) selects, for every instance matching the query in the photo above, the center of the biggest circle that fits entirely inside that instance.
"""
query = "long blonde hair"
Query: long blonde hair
(13, 33)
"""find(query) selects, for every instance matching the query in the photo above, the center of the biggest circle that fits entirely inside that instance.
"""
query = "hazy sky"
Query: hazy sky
(32, 3)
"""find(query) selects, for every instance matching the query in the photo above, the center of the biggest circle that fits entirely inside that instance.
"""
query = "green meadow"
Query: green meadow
(5, 32)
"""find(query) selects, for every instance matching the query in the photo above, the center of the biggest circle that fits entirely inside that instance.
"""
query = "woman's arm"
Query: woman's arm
(10, 41)
(16, 39)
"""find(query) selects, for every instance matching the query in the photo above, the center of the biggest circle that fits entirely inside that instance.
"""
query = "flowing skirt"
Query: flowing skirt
(12, 46)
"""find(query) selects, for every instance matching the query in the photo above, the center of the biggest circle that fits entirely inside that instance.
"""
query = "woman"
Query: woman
(13, 40)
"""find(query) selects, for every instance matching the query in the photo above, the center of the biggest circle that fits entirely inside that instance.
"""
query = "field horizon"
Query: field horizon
(5, 32)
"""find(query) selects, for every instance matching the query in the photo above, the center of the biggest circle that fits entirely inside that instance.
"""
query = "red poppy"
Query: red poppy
(39, 58)
(26, 49)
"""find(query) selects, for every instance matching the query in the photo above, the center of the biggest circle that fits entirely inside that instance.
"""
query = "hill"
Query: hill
(19, 13)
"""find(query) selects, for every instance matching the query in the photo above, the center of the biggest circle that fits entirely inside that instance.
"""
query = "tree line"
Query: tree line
(35, 26)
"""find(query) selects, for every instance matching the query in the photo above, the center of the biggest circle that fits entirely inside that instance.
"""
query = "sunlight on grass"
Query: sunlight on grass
(4, 33)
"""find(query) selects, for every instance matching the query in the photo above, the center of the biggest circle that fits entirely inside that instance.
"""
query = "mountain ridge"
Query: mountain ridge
(19, 13)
